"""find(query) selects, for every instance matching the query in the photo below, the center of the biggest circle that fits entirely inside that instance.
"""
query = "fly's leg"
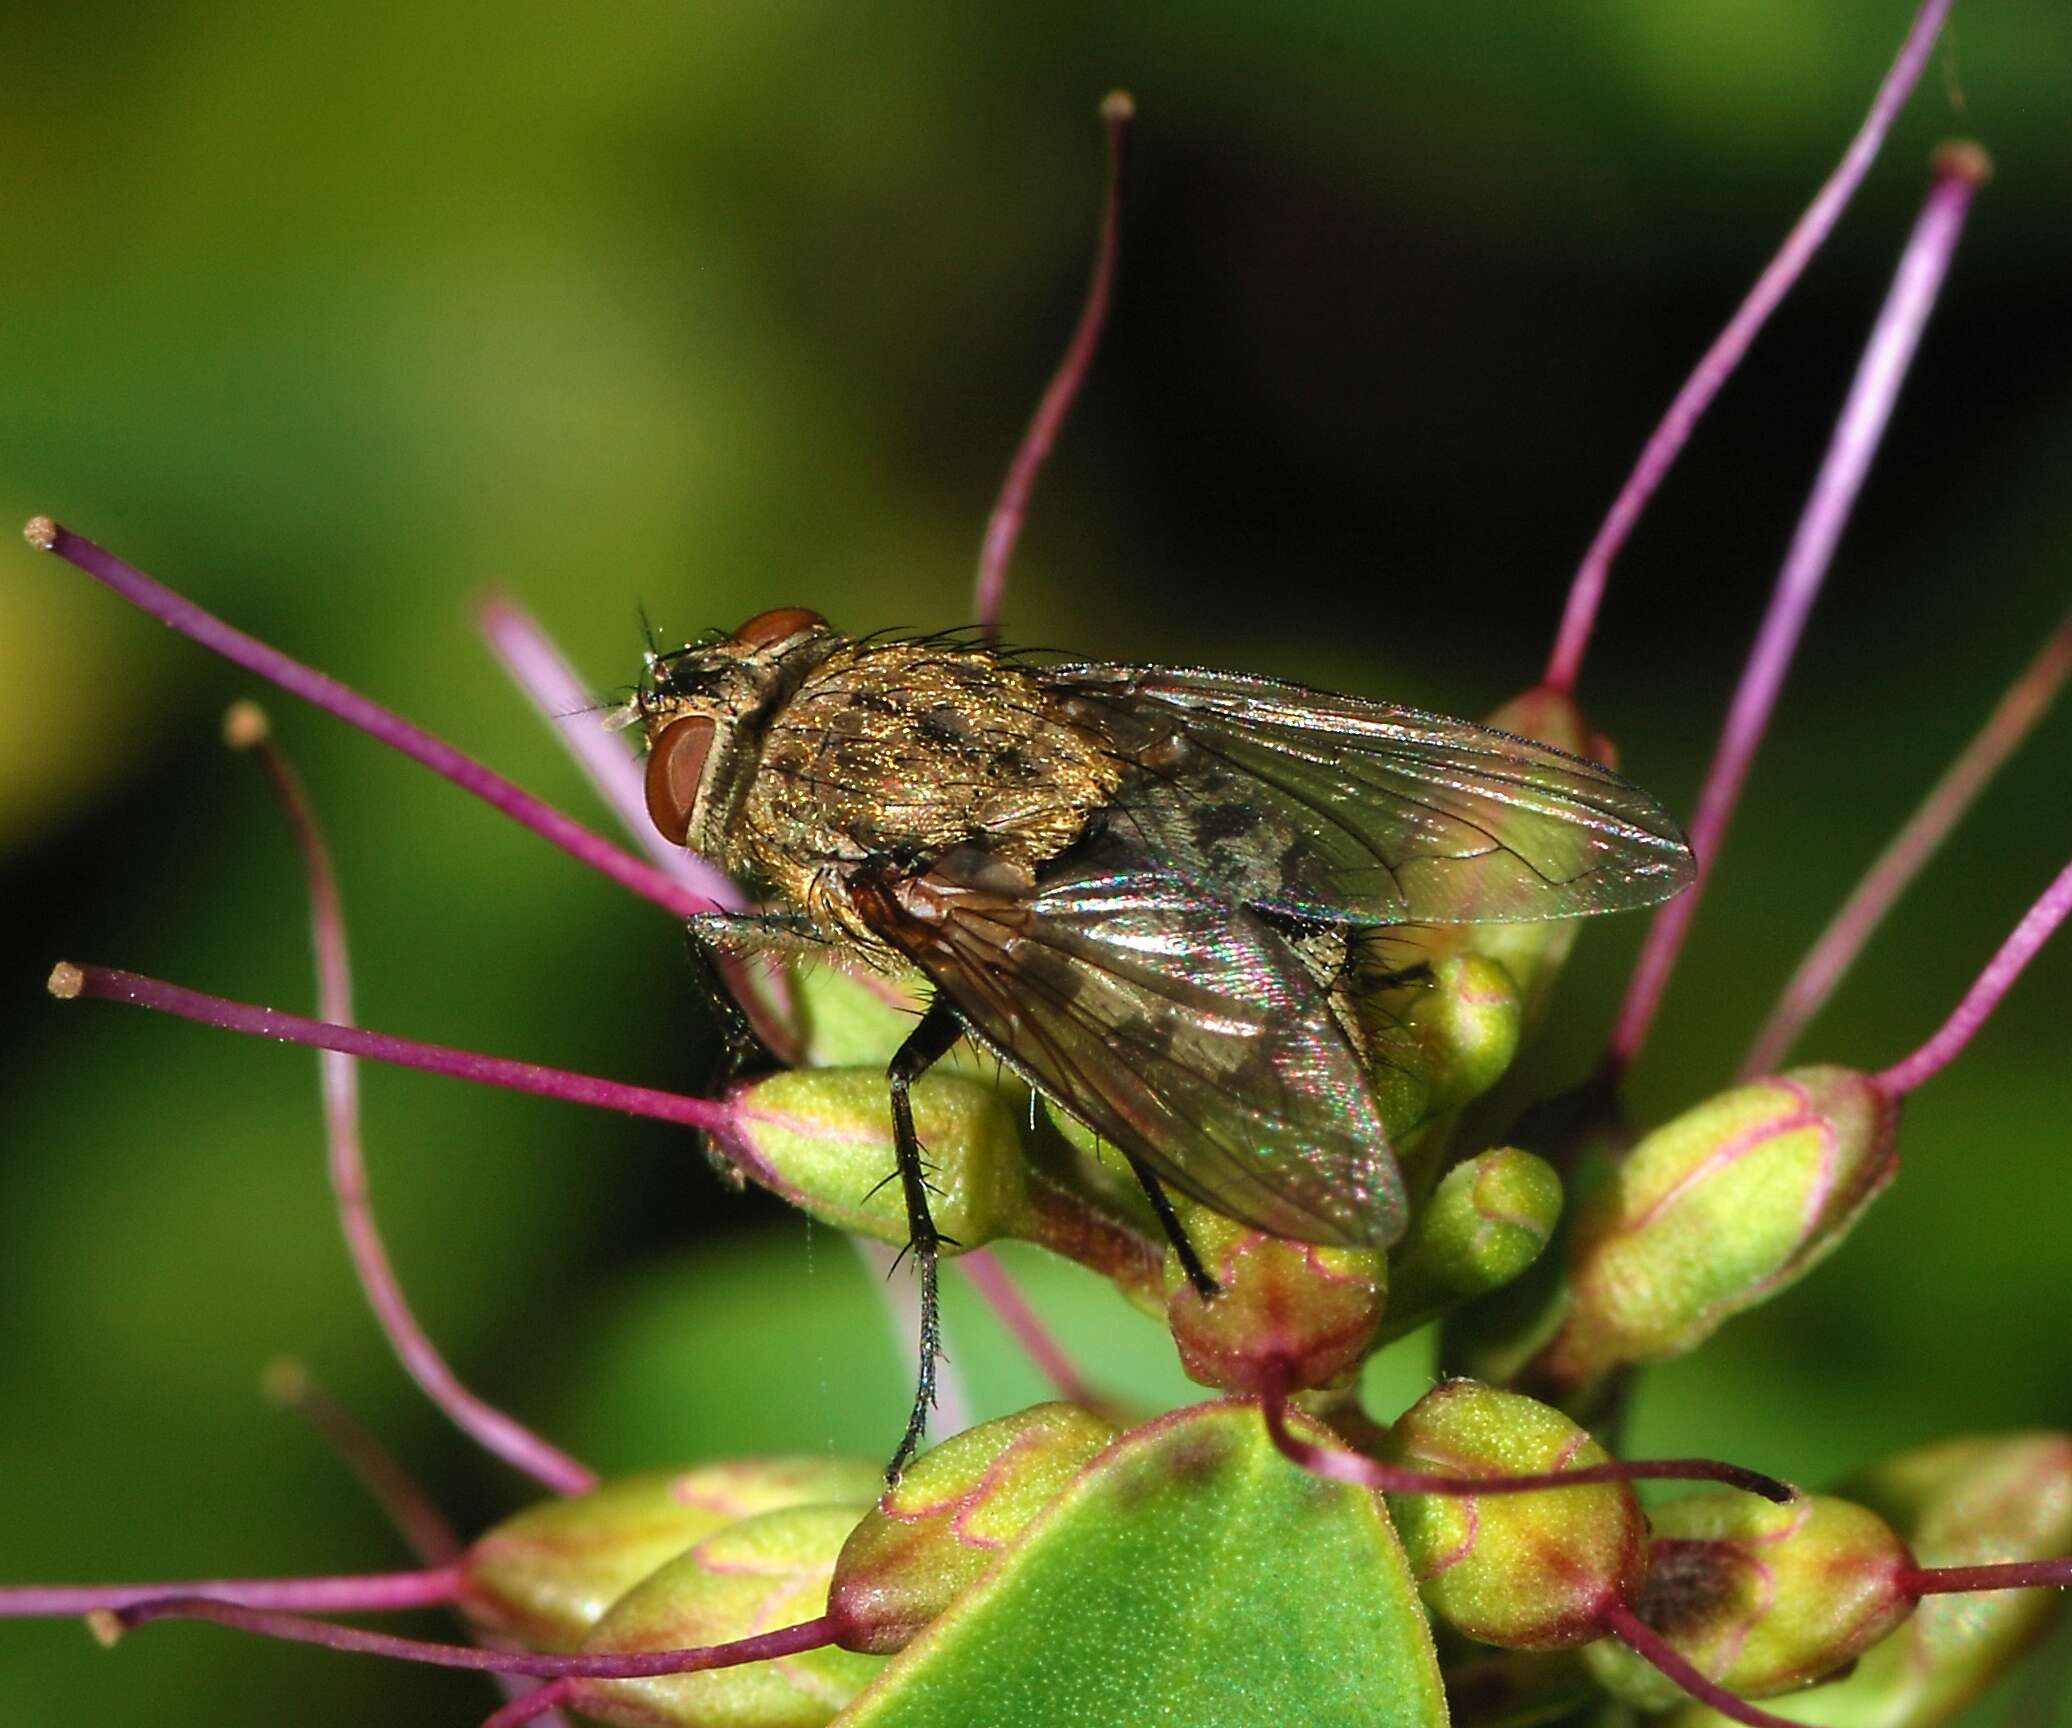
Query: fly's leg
(939, 1028)
(716, 937)
(1176, 1233)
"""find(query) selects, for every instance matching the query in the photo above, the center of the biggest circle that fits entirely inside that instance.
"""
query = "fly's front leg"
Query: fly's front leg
(939, 1028)
(718, 942)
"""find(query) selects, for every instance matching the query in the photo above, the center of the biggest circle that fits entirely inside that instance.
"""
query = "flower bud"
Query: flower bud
(751, 1577)
(1485, 1223)
(822, 1139)
(1718, 1210)
(1456, 1033)
(949, 1517)
(850, 1019)
(544, 1577)
(1288, 1315)
(1965, 1502)
(1523, 1571)
(1761, 1598)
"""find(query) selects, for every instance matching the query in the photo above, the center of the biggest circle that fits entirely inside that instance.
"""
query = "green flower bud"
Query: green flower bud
(1965, 1502)
(1717, 1210)
(1454, 1036)
(1485, 1223)
(822, 1139)
(850, 1019)
(1289, 1315)
(755, 1576)
(1523, 1571)
(1762, 1598)
(948, 1519)
(544, 1577)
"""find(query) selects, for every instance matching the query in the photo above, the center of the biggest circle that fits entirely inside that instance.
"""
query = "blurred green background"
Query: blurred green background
(333, 317)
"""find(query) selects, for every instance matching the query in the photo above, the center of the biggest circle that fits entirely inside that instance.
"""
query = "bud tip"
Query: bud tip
(284, 1380)
(66, 981)
(245, 724)
(1117, 106)
(40, 532)
(1963, 159)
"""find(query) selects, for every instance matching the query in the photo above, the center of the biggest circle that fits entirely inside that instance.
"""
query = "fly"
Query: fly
(1141, 888)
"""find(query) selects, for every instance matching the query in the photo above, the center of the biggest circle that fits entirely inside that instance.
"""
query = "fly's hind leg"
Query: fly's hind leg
(1176, 1232)
(939, 1028)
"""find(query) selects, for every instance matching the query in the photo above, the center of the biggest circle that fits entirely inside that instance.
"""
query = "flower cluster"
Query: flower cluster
(1276, 1552)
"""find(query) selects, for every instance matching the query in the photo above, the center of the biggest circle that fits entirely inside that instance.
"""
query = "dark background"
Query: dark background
(331, 318)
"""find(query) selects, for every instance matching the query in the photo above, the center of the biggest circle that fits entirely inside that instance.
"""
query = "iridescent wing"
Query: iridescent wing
(1173, 1023)
(1320, 806)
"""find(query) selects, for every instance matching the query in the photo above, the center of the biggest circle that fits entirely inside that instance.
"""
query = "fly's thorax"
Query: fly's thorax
(902, 751)
(706, 709)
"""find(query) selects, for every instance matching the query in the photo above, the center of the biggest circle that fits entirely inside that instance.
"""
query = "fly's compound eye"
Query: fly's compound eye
(767, 629)
(675, 769)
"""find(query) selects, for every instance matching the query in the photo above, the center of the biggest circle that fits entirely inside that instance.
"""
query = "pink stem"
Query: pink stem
(358, 1593)
(550, 684)
(370, 717)
(68, 981)
(490, 1428)
(408, 1507)
(1984, 996)
(2024, 702)
(606, 1665)
(1004, 526)
(530, 1706)
(1959, 171)
(1586, 591)
(1012, 1310)
(2006, 1575)
(1651, 1647)
(1340, 1464)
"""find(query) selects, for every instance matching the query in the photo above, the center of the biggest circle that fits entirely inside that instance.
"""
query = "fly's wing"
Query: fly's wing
(1173, 1023)
(1323, 806)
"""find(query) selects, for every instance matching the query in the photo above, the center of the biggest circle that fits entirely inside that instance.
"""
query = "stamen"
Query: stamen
(1004, 526)
(2004, 1575)
(1960, 169)
(1026, 1327)
(1666, 442)
(408, 1507)
(550, 684)
(370, 717)
(355, 1593)
(490, 1428)
(1651, 1647)
(110, 985)
(2036, 928)
(1341, 1464)
(2018, 710)
(626, 1665)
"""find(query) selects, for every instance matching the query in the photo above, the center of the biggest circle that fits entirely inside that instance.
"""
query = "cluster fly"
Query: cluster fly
(1141, 888)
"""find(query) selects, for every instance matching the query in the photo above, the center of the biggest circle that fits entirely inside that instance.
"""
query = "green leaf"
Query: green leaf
(1191, 1575)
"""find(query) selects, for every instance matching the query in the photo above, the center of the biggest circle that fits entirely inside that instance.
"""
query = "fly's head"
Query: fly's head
(704, 706)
